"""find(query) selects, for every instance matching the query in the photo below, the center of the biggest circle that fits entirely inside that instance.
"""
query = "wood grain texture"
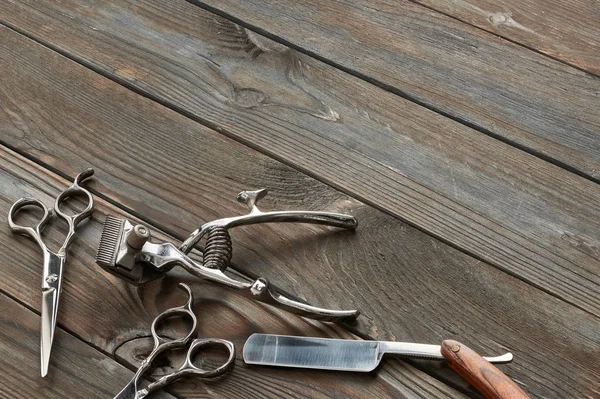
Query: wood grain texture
(116, 317)
(502, 88)
(410, 286)
(77, 371)
(504, 206)
(564, 29)
(483, 375)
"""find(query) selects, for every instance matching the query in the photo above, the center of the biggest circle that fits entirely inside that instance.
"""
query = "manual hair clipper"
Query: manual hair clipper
(125, 251)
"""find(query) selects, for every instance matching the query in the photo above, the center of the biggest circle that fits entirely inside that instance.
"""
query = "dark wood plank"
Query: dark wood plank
(567, 30)
(502, 88)
(411, 286)
(78, 370)
(502, 205)
(115, 317)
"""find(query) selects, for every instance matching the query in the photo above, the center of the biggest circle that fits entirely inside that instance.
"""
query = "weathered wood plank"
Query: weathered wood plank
(411, 286)
(116, 317)
(567, 30)
(523, 97)
(78, 370)
(487, 198)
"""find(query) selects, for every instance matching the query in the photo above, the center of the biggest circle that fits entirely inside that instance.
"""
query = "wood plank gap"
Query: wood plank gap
(405, 95)
(188, 114)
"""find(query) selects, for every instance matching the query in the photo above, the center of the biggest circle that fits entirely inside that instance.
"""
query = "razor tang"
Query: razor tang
(426, 351)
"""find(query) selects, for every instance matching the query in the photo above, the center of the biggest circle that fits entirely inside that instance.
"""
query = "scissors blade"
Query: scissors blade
(51, 287)
(49, 308)
(129, 392)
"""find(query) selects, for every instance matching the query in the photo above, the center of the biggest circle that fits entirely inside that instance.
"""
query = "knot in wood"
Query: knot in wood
(248, 98)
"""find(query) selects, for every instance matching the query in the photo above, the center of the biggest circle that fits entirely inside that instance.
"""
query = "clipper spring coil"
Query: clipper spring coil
(218, 249)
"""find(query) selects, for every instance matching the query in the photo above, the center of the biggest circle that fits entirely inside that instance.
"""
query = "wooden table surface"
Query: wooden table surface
(464, 135)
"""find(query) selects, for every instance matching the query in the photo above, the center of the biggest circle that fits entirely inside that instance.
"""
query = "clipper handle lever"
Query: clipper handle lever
(256, 216)
(261, 290)
(162, 257)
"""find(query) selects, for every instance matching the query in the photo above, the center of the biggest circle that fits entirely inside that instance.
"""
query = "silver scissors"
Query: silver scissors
(53, 262)
(187, 369)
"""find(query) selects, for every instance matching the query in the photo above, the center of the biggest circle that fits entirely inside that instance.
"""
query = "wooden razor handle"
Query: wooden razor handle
(480, 373)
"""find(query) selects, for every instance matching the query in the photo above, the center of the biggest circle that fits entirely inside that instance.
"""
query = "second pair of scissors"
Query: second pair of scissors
(161, 344)
(53, 262)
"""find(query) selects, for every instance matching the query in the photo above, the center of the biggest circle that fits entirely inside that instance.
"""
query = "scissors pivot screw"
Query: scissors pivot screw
(260, 286)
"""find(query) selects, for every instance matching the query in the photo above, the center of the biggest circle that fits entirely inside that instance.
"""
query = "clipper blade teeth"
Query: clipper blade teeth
(109, 241)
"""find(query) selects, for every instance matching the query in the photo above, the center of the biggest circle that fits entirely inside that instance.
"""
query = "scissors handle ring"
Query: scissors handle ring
(34, 231)
(74, 190)
(184, 310)
(188, 369)
(200, 343)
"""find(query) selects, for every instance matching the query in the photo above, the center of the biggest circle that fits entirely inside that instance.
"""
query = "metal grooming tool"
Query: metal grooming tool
(365, 356)
(336, 354)
(125, 251)
(161, 344)
(53, 262)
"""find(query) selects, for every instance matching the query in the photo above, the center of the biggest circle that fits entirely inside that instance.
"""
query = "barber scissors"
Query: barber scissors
(161, 344)
(53, 262)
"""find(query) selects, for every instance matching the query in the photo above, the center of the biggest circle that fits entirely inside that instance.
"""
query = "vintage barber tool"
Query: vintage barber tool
(162, 344)
(125, 251)
(355, 355)
(53, 262)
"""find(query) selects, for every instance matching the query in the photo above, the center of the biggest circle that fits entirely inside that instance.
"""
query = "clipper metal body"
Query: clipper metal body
(125, 251)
